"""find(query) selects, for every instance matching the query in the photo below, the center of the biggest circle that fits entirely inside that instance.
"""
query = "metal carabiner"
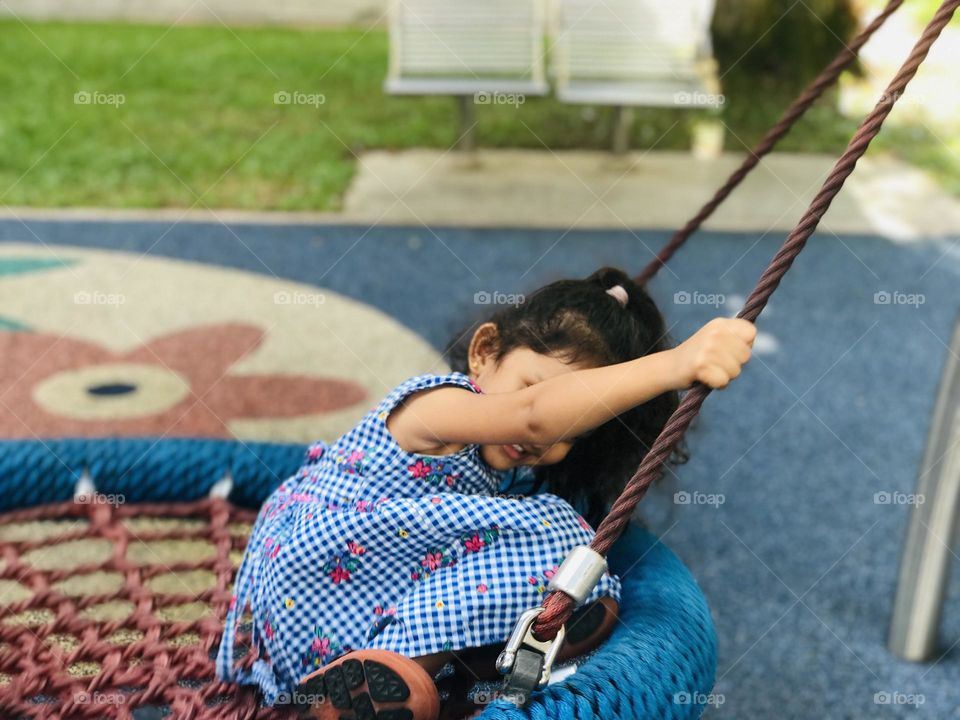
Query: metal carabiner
(518, 685)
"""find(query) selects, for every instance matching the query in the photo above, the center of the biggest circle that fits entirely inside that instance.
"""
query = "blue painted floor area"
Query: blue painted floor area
(799, 561)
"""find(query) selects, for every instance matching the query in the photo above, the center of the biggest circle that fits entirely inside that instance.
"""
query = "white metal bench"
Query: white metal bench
(474, 49)
(630, 53)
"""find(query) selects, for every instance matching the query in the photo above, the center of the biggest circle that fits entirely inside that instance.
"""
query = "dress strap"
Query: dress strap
(422, 382)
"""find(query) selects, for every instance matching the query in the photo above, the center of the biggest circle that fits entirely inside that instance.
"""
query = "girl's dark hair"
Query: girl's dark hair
(577, 321)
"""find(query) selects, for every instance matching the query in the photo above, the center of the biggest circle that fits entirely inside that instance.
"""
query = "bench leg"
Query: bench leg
(466, 141)
(622, 125)
(925, 564)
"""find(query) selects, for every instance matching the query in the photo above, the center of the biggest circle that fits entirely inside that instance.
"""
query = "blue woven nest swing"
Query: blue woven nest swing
(660, 661)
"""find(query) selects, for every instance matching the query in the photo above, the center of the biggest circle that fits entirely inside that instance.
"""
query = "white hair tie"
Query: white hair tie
(619, 293)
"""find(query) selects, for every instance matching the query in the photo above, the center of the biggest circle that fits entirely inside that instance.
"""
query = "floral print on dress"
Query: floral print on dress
(479, 540)
(383, 618)
(438, 558)
(540, 582)
(432, 470)
(267, 626)
(351, 462)
(285, 500)
(435, 559)
(340, 565)
(322, 648)
(367, 506)
(272, 545)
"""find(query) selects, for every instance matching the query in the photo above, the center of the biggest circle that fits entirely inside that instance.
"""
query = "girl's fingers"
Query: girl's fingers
(731, 367)
(715, 377)
(744, 353)
(736, 351)
(745, 329)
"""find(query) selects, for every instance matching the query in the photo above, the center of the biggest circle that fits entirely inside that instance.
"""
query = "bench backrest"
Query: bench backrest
(630, 39)
(467, 39)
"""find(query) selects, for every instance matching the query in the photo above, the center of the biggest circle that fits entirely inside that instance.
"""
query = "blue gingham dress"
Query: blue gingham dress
(368, 546)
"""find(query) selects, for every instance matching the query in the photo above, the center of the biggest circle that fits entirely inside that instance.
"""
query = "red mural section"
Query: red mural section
(177, 384)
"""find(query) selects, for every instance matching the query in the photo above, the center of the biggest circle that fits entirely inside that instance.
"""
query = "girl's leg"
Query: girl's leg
(378, 683)
(432, 663)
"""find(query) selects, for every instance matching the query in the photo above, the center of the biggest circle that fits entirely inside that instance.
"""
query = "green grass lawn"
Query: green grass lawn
(198, 124)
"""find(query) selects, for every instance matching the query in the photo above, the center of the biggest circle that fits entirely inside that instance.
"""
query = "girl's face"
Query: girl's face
(518, 369)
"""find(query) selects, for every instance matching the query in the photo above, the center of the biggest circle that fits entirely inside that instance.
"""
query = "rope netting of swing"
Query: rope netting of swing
(142, 635)
(115, 610)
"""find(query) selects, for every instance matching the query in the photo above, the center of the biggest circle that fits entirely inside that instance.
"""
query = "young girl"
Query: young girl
(391, 553)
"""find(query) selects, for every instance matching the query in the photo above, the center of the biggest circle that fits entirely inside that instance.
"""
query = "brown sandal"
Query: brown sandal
(369, 685)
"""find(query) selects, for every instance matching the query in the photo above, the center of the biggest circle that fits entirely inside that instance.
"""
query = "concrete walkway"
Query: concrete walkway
(594, 190)
(645, 190)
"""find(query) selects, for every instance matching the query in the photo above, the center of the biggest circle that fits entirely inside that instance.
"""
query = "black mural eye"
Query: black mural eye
(112, 389)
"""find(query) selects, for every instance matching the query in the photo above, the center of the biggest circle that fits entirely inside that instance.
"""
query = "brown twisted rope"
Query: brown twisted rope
(790, 116)
(558, 606)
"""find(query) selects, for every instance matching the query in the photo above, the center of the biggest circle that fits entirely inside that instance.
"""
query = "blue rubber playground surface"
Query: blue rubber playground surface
(792, 508)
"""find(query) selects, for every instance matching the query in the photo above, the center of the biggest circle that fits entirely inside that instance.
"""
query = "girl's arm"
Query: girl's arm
(567, 405)
(559, 408)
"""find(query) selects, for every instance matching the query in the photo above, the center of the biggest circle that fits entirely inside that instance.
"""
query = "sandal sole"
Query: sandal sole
(369, 685)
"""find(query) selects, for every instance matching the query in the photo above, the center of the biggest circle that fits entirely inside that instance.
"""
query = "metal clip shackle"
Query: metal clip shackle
(526, 661)
(577, 576)
(523, 635)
